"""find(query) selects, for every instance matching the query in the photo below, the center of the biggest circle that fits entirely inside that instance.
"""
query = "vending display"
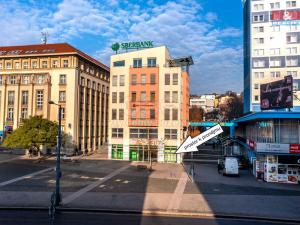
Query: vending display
(292, 172)
(282, 174)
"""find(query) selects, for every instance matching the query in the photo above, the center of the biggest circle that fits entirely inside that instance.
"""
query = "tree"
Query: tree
(196, 114)
(34, 131)
(232, 108)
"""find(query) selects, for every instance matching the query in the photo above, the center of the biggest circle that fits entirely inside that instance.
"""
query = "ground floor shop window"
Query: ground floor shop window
(170, 154)
(117, 152)
(142, 153)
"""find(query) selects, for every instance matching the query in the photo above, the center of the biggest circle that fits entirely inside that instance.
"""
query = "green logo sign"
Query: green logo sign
(132, 45)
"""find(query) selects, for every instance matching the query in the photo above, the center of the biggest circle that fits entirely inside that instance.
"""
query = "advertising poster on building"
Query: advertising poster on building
(271, 175)
(282, 174)
(277, 94)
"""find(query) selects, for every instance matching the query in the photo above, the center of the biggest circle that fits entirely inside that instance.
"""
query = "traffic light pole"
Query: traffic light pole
(58, 172)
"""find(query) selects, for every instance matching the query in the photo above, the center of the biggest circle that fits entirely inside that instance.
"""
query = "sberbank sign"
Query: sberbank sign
(132, 45)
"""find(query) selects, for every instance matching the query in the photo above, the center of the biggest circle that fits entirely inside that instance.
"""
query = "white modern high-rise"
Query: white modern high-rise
(271, 47)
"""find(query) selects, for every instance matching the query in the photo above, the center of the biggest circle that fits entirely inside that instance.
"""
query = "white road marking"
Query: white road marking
(9, 160)
(91, 186)
(28, 176)
(174, 203)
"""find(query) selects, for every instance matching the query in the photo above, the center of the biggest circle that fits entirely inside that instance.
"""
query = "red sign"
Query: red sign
(295, 148)
(285, 15)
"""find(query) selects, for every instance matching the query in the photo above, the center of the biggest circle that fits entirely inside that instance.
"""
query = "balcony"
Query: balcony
(145, 66)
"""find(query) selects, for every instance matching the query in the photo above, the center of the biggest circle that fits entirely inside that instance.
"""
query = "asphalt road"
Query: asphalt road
(17, 217)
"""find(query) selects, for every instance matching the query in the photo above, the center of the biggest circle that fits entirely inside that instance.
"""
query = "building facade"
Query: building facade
(271, 47)
(149, 98)
(206, 102)
(32, 75)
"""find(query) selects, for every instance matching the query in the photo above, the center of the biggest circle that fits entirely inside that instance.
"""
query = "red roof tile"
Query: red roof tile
(46, 49)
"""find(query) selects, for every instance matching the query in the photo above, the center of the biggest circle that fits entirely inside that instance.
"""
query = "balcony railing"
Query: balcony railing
(145, 65)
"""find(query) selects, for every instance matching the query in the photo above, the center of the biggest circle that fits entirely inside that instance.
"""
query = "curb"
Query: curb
(160, 213)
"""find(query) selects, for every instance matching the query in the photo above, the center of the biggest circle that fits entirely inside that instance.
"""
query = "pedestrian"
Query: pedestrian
(220, 167)
(30, 152)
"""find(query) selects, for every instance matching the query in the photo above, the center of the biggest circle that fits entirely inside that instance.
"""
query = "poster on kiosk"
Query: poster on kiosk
(271, 169)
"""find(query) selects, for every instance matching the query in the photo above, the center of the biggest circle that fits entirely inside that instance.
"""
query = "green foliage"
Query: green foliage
(34, 131)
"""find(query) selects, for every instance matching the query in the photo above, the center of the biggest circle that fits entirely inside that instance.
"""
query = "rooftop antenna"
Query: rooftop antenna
(45, 36)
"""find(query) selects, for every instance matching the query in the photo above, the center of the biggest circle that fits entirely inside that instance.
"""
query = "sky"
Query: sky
(208, 30)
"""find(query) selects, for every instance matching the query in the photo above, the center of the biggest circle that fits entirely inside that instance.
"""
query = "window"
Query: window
(8, 65)
(167, 114)
(175, 96)
(117, 132)
(291, 51)
(62, 96)
(143, 96)
(256, 98)
(256, 86)
(40, 79)
(275, 74)
(133, 79)
(175, 78)
(39, 99)
(17, 65)
(55, 63)
(121, 97)
(276, 28)
(113, 114)
(275, 62)
(137, 63)
(133, 96)
(115, 80)
(133, 114)
(151, 62)
(175, 114)
(293, 28)
(292, 73)
(275, 51)
(63, 113)
(292, 62)
(143, 133)
(143, 114)
(122, 80)
(119, 63)
(259, 74)
(171, 134)
(44, 64)
(25, 65)
(114, 97)
(24, 98)
(63, 79)
(11, 97)
(34, 64)
(24, 113)
(258, 18)
(121, 114)
(152, 96)
(258, 7)
(152, 78)
(1, 66)
(259, 40)
(152, 114)
(12, 79)
(143, 78)
(258, 63)
(259, 52)
(10, 114)
(1, 77)
(167, 79)
(290, 4)
(66, 63)
(258, 29)
(275, 5)
(291, 38)
(167, 97)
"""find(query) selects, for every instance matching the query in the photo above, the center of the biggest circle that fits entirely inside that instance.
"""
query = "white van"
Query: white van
(231, 166)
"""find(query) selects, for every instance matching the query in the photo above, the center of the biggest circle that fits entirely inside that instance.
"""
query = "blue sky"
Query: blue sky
(209, 30)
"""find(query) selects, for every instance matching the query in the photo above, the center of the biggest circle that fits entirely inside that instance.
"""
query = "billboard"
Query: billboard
(277, 94)
(285, 15)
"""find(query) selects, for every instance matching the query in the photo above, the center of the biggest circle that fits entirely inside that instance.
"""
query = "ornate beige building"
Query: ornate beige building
(32, 75)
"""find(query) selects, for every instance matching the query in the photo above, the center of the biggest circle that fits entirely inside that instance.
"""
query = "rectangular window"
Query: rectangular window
(167, 79)
(119, 63)
(25, 79)
(290, 4)
(1, 79)
(256, 98)
(275, 63)
(143, 79)
(276, 28)
(133, 79)
(143, 133)
(1, 66)
(10, 114)
(175, 78)
(114, 97)
(167, 97)
(133, 96)
(152, 96)
(17, 65)
(115, 81)
(8, 65)
(175, 114)
(259, 40)
(167, 114)
(113, 114)
(133, 114)
(152, 114)
(62, 96)
(143, 96)
(256, 86)
(137, 63)
(258, 29)
(39, 99)
(175, 96)
(152, 78)
(63, 79)
(292, 62)
(11, 97)
(63, 113)
(275, 51)
(25, 65)
(275, 5)
(291, 51)
(171, 134)
(275, 74)
(121, 114)
(40, 79)
(66, 63)
(122, 80)
(44, 64)
(143, 114)
(24, 113)
(291, 38)
(121, 97)
(34, 64)
(292, 73)
(117, 132)
(258, 63)
(55, 63)
(151, 62)
(12, 79)
(259, 52)
(24, 98)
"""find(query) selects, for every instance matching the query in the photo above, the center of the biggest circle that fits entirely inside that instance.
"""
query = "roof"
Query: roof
(184, 61)
(46, 49)
(267, 115)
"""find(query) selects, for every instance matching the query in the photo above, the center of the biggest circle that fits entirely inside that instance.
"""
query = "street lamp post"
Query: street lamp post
(58, 171)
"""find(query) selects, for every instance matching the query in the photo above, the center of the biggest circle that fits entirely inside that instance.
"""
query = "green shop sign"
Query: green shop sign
(132, 45)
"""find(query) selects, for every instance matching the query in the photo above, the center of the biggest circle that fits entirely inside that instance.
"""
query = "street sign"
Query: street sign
(190, 144)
